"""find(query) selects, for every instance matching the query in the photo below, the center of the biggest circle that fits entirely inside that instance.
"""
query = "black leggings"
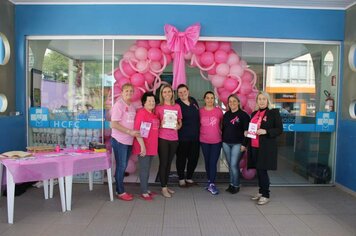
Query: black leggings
(166, 151)
(188, 151)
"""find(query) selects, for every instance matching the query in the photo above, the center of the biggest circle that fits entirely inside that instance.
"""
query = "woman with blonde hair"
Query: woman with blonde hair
(170, 116)
(263, 144)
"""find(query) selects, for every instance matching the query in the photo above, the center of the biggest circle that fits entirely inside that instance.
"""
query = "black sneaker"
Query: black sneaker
(235, 190)
(229, 189)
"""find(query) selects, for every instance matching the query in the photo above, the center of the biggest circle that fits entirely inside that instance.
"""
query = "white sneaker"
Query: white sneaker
(263, 201)
(256, 197)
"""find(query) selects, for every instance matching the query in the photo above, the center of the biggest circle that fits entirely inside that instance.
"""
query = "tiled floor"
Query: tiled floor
(292, 211)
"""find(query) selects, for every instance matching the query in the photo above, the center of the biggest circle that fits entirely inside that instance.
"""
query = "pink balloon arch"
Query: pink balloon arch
(144, 62)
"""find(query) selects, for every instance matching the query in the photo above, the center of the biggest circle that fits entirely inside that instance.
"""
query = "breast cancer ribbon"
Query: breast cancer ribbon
(180, 43)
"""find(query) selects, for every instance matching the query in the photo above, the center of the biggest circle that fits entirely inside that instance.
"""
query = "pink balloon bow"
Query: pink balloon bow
(181, 43)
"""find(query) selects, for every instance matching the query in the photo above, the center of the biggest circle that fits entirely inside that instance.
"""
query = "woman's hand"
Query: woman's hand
(134, 133)
(261, 132)
(242, 148)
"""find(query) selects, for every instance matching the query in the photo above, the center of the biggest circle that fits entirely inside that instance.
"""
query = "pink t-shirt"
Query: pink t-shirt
(164, 133)
(125, 115)
(210, 125)
(151, 142)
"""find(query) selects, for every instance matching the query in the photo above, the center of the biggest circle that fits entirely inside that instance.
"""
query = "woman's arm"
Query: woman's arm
(116, 125)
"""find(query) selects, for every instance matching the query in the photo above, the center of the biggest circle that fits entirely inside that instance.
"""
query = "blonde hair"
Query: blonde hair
(266, 95)
(127, 85)
(161, 99)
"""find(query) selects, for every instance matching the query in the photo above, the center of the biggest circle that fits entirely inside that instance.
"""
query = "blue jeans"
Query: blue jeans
(211, 154)
(122, 154)
(232, 154)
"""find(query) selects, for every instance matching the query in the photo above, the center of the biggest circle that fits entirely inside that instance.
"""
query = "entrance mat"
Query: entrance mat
(200, 177)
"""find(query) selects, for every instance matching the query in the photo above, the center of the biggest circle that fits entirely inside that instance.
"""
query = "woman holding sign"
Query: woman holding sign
(170, 116)
(145, 146)
(265, 126)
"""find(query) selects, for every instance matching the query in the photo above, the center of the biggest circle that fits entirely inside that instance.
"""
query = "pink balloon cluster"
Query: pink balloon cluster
(246, 173)
(226, 71)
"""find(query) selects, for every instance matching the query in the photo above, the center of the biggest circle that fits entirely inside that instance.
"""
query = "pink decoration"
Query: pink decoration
(243, 161)
(149, 77)
(220, 56)
(211, 46)
(230, 84)
(232, 59)
(129, 55)
(180, 43)
(207, 58)
(243, 99)
(141, 53)
(199, 48)
(164, 48)
(137, 80)
(142, 66)
(248, 173)
(154, 43)
(218, 81)
(142, 43)
(126, 69)
(223, 69)
(134, 158)
(131, 167)
(154, 54)
(225, 46)
(245, 88)
(117, 74)
(223, 96)
(237, 70)
(121, 82)
(137, 94)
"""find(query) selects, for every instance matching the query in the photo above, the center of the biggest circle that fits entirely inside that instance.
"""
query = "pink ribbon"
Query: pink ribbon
(181, 43)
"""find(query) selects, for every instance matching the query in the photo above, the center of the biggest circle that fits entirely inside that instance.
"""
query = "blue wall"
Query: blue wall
(346, 156)
(150, 19)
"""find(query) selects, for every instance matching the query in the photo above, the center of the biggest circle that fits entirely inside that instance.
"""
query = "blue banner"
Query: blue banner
(39, 117)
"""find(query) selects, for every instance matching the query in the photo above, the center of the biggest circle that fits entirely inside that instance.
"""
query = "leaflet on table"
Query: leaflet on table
(145, 129)
(170, 119)
(252, 129)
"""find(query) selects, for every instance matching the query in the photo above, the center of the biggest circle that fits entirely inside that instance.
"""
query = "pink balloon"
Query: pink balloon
(154, 43)
(211, 46)
(221, 90)
(252, 95)
(133, 48)
(224, 96)
(223, 69)
(247, 109)
(237, 70)
(218, 81)
(164, 48)
(243, 99)
(243, 162)
(154, 54)
(251, 103)
(248, 173)
(117, 88)
(142, 66)
(155, 65)
(129, 55)
(207, 58)
(246, 88)
(230, 84)
(212, 71)
(220, 56)
(141, 53)
(134, 158)
(128, 69)
(142, 43)
(232, 59)
(149, 78)
(199, 48)
(188, 56)
(168, 59)
(225, 46)
(121, 82)
(118, 75)
(247, 76)
(243, 64)
(137, 80)
(131, 167)
(137, 95)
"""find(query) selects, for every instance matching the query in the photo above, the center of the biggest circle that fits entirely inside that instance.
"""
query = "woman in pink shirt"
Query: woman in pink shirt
(210, 138)
(170, 116)
(123, 133)
(146, 146)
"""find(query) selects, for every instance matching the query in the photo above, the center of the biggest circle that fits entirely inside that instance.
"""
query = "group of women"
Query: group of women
(181, 128)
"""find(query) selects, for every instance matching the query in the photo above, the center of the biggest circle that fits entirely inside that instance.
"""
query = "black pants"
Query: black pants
(187, 154)
(166, 151)
(262, 175)
(263, 182)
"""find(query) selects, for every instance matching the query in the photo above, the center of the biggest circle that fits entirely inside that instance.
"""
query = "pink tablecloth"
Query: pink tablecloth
(53, 165)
